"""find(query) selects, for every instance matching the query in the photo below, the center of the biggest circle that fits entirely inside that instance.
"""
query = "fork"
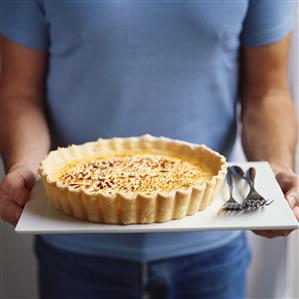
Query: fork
(231, 204)
(253, 200)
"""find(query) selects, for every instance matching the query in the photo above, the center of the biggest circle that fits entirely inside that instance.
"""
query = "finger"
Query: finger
(14, 187)
(264, 233)
(11, 183)
(292, 197)
(21, 197)
(296, 212)
(290, 186)
(10, 212)
(286, 233)
(20, 177)
(270, 234)
(287, 181)
(28, 178)
(284, 181)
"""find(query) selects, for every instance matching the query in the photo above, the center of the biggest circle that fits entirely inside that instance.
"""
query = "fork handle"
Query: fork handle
(229, 180)
(250, 176)
(251, 173)
(229, 176)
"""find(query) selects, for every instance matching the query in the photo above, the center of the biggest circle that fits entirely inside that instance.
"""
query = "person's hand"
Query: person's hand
(289, 183)
(14, 193)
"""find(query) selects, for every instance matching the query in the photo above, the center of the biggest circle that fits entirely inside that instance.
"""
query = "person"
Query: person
(74, 71)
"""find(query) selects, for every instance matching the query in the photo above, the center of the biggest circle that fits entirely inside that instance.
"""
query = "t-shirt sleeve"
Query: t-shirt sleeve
(24, 22)
(267, 21)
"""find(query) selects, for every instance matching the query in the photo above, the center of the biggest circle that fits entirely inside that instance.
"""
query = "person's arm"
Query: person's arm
(24, 135)
(269, 126)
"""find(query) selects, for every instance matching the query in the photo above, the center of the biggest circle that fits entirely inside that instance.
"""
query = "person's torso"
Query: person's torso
(125, 68)
(122, 68)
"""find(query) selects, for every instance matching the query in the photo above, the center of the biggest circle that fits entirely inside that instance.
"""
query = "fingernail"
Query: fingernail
(291, 200)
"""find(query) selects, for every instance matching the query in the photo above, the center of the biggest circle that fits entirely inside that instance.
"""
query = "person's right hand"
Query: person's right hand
(14, 193)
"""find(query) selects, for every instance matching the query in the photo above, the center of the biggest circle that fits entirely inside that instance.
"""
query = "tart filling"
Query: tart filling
(133, 172)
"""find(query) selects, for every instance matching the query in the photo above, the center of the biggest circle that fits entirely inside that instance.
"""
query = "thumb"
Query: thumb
(22, 176)
(292, 197)
(18, 184)
(289, 184)
(26, 177)
(286, 181)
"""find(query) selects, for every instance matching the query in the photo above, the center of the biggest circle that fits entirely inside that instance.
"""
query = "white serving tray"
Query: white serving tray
(41, 217)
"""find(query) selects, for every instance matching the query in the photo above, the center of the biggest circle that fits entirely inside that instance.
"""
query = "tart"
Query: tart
(142, 179)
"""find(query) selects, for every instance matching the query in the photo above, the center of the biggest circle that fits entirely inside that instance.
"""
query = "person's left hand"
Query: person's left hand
(289, 183)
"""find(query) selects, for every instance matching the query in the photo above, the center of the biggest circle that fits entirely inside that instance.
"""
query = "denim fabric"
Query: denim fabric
(218, 273)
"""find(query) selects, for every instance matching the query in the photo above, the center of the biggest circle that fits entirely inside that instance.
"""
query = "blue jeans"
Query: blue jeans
(218, 273)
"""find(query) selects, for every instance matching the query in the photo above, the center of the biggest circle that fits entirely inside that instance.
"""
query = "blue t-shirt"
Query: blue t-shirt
(123, 68)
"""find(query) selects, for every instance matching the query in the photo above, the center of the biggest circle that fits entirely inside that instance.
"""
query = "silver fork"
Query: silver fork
(231, 204)
(253, 199)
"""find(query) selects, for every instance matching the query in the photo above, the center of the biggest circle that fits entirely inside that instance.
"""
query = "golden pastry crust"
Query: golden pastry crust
(142, 179)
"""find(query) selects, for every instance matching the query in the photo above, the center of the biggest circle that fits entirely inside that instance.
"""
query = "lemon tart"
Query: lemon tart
(142, 179)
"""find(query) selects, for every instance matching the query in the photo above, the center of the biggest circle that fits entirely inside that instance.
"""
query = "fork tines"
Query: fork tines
(255, 203)
(232, 206)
